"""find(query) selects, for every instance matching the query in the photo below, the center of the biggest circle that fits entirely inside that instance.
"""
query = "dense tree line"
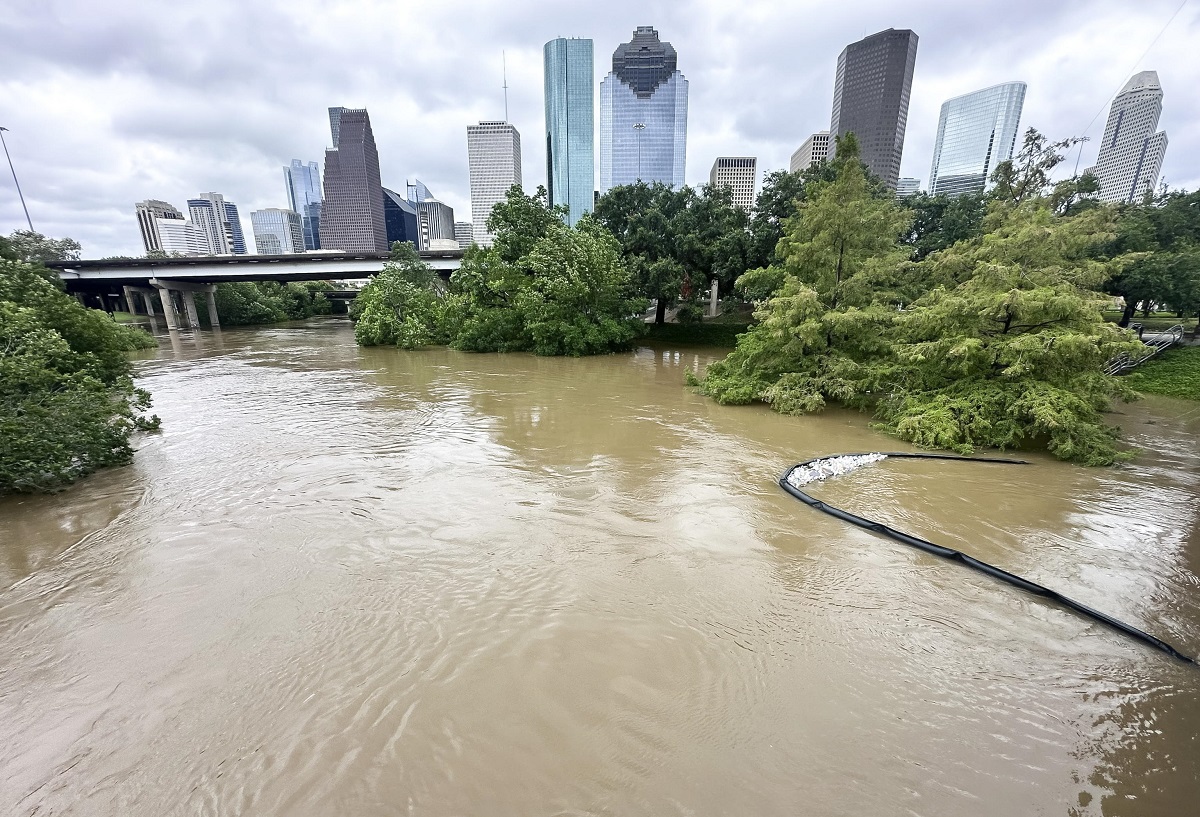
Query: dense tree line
(542, 287)
(249, 303)
(67, 401)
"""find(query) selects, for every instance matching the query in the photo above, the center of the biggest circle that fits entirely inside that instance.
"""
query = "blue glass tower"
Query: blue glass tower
(570, 153)
(643, 114)
(976, 132)
(304, 197)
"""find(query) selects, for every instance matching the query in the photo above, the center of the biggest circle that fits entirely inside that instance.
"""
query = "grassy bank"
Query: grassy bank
(1174, 373)
(698, 334)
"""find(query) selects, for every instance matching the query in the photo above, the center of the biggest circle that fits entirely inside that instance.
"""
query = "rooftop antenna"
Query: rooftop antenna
(504, 74)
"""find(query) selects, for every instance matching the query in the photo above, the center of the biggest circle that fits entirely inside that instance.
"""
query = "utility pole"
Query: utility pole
(14, 175)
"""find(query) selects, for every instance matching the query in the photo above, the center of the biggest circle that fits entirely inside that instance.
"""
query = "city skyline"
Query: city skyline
(147, 137)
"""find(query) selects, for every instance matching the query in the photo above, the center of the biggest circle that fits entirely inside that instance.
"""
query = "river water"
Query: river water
(349, 581)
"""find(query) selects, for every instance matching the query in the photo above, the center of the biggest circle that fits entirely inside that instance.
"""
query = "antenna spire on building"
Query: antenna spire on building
(504, 76)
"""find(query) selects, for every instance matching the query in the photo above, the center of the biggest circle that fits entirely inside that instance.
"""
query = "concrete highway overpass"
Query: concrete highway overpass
(118, 283)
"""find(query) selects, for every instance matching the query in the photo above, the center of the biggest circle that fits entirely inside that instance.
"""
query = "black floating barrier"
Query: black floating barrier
(959, 556)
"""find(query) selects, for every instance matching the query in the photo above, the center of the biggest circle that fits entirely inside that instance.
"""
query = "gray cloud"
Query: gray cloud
(110, 103)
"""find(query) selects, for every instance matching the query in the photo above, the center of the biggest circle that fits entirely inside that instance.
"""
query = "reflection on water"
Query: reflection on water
(347, 581)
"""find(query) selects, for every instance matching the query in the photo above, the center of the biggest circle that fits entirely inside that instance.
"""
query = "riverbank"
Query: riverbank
(1174, 373)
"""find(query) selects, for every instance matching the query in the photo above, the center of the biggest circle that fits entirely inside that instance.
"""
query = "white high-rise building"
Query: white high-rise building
(740, 174)
(494, 162)
(1131, 153)
(277, 231)
(180, 236)
(907, 186)
(814, 151)
(219, 221)
(148, 212)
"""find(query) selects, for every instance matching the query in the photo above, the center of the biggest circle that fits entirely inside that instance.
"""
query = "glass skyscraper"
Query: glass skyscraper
(277, 232)
(976, 132)
(570, 154)
(304, 197)
(643, 114)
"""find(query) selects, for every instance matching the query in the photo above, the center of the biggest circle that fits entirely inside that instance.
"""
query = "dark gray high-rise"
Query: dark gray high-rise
(352, 213)
(870, 98)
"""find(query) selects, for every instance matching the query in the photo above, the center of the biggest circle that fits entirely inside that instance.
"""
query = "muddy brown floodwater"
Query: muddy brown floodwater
(350, 581)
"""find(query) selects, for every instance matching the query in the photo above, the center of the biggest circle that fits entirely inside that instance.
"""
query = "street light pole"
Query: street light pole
(17, 183)
(639, 127)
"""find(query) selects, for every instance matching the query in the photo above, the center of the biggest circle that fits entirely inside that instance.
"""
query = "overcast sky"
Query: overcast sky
(109, 102)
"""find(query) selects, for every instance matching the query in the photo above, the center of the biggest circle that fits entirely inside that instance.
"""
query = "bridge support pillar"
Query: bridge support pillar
(189, 309)
(164, 295)
(213, 320)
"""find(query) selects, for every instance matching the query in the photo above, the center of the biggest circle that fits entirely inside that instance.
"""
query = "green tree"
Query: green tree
(675, 241)
(579, 300)
(402, 305)
(38, 249)
(520, 221)
(778, 201)
(941, 221)
(67, 400)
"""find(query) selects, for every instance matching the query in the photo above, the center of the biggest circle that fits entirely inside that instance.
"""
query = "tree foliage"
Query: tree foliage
(67, 400)
(542, 287)
(35, 248)
(251, 303)
(1164, 235)
(675, 241)
(1000, 343)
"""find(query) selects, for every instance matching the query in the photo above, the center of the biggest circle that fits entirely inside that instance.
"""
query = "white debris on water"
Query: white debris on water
(830, 467)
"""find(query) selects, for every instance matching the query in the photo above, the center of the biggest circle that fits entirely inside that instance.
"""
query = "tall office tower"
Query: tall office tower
(435, 219)
(463, 232)
(976, 132)
(814, 151)
(304, 197)
(643, 114)
(740, 174)
(147, 211)
(570, 154)
(181, 237)
(277, 232)
(870, 98)
(219, 221)
(494, 162)
(1131, 153)
(352, 208)
(907, 186)
(400, 219)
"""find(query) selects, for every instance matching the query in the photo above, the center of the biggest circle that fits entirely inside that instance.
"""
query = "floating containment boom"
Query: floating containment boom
(821, 468)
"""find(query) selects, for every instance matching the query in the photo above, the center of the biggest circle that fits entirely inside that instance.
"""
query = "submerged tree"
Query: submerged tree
(68, 404)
